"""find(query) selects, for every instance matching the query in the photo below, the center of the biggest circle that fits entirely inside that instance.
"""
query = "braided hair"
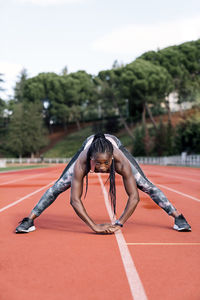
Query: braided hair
(102, 145)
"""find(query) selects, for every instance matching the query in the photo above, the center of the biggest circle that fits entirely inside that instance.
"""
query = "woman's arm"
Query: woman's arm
(76, 193)
(131, 190)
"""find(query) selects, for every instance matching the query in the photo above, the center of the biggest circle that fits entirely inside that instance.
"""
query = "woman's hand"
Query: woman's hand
(105, 228)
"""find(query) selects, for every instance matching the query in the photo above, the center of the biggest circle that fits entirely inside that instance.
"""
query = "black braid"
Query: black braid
(112, 190)
(101, 145)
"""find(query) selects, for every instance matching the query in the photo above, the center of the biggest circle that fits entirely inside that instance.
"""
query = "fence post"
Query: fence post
(183, 158)
(2, 163)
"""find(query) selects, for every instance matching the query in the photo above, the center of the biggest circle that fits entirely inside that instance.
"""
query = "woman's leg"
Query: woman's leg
(155, 193)
(61, 185)
(148, 187)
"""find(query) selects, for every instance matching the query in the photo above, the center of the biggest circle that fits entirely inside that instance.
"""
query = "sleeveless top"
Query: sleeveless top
(108, 137)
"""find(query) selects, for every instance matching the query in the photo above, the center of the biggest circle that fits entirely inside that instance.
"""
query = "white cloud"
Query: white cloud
(50, 2)
(10, 72)
(136, 39)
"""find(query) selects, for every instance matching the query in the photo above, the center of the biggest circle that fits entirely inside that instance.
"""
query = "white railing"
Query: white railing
(36, 160)
(179, 160)
(176, 160)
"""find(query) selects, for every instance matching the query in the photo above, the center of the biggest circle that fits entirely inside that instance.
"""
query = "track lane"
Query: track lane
(18, 175)
(168, 271)
(19, 184)
(64, 259)
(173, 170)
(136, 286)
(178, 183)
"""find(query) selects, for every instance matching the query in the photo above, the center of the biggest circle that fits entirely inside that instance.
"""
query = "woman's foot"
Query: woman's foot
(181, 224)
(26, 225)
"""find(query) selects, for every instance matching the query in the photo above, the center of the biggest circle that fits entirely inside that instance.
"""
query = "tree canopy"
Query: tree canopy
(25, 133)
(127, 91)
(183, 64)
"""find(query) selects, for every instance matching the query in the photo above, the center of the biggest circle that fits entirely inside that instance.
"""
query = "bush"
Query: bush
(109, 125)
(112, 125)
(139, 145)
(188, 135)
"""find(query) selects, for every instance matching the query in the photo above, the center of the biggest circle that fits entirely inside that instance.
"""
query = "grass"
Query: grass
(22, 167)
(126, 140)
(69, 145)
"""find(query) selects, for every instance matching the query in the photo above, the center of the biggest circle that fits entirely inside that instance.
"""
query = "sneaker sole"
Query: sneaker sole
(183, 229)
(32, 228)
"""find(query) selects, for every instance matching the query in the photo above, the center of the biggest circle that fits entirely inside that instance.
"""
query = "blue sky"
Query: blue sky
(47, 35)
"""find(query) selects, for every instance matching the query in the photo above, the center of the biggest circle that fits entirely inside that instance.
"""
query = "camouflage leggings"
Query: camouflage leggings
(64, 182)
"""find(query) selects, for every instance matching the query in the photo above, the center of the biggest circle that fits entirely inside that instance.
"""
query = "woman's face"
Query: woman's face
(101, 163)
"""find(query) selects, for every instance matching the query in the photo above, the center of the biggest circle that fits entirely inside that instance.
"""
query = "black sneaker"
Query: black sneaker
(181, 224)
(26, 225)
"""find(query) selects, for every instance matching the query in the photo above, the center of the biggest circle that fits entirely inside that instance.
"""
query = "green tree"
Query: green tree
(182, 62)
(188, 135)
(26, 134)
(62, 93)
(64, 71)
(170, 139)
(169, 58)
(139, 143)
(14, 141)
(2, 116)
(1, 81)
(145, 84)
(111, 97)
(160, 140)
(19, 87)
(2, 107)
(79, 91)
(45, 88)
(190, 55)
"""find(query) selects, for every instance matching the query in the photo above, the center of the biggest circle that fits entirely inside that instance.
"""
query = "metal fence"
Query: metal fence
(177, 160)
(34, 161)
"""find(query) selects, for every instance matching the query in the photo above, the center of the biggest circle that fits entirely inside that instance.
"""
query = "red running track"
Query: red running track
(64, 259)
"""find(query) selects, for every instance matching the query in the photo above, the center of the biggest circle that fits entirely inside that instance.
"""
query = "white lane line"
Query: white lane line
(168, 170)
(25, 197)
(20, 179)
(162, 244)
(171, 175)
(180, 193)
(26, 177)
(21, 170)
(136, 287)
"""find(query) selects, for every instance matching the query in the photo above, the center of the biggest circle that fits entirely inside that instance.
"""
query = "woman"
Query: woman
(103, 154)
